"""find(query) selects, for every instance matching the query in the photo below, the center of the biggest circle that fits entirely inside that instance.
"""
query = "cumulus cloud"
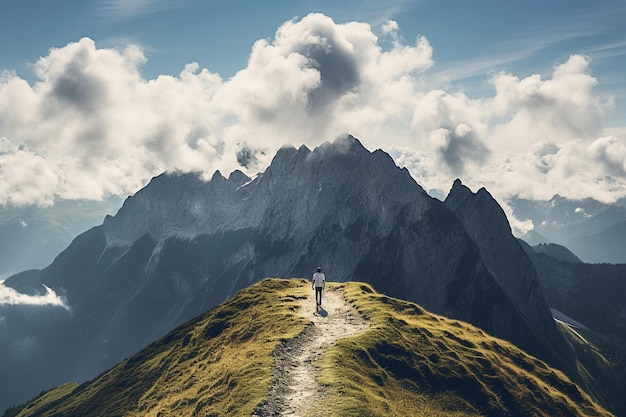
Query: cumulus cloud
(561, 108)
(9, 296)
(460, 146)
(610, 153)
(92, 126)
(533, 138)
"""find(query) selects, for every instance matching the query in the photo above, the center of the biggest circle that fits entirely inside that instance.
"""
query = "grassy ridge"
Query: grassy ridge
(409, 363)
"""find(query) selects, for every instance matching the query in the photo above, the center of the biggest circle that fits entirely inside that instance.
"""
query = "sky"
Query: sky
(526, 99)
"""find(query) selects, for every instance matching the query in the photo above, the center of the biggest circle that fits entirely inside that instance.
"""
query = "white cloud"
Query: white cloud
(390, 27)
(8, 296)
(558, 109)
(92, 126)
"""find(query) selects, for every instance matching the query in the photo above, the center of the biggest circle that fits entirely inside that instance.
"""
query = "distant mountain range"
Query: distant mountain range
(31, 237)
(181, 246)
(593, 231)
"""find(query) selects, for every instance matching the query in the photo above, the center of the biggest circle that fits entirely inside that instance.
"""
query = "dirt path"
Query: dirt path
(295, 391)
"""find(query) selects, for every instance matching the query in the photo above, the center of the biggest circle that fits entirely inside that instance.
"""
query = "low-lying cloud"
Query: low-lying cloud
(9, 296)
(92, 126)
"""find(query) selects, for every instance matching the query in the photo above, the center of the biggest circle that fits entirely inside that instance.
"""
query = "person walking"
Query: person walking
(318, 284)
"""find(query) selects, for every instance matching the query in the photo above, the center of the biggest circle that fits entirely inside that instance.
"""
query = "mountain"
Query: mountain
(556, 251)
(606, 246)
(487, 224)
(31, 237)
(408, 361)
(595, 232)
(591, 296)
(182, 245)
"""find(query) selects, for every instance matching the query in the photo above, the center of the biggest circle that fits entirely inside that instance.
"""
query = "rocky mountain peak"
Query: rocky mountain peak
(338, 175)
(461, 197)
(238, 177)
(217, 176)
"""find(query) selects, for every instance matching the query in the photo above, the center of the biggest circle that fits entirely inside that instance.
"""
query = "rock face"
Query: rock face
(181, 245)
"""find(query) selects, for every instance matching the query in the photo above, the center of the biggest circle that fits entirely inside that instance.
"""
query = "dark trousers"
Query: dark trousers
(318, 295)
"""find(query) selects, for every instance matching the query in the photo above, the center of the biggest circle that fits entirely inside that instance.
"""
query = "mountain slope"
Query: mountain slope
(556, 251)
(591, 294)
(606, 246)
(182, 245)
(509, 263)
(409, 361)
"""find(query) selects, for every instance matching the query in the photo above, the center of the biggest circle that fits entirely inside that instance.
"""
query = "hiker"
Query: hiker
(318, 283)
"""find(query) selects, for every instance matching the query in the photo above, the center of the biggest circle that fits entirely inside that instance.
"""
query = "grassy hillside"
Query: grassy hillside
(410, 362)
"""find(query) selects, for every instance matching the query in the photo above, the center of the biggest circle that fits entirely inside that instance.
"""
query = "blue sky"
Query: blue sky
(520, 97)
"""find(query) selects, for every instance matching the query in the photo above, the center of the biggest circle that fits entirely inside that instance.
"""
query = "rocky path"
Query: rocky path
(295, 391)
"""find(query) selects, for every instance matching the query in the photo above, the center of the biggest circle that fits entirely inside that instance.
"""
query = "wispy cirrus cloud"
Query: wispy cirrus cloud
(372, 11)
(607, 50)
(532, 40)
(125, 9)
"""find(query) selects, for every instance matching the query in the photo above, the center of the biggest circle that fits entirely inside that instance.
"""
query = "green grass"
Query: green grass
(409, 363)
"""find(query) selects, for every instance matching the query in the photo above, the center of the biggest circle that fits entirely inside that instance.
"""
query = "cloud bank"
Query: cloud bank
(8, 296)
(92, 126)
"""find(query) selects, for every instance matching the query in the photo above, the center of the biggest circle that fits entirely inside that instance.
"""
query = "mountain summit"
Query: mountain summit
(182, 245)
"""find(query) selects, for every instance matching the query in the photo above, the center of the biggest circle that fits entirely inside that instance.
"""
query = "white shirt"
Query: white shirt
(318, 279)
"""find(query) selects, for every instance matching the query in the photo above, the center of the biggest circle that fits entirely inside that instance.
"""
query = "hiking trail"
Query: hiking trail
(294, 391)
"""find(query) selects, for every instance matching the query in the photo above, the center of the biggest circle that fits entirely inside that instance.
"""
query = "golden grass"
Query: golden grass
(409, 363)
(48, 397)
